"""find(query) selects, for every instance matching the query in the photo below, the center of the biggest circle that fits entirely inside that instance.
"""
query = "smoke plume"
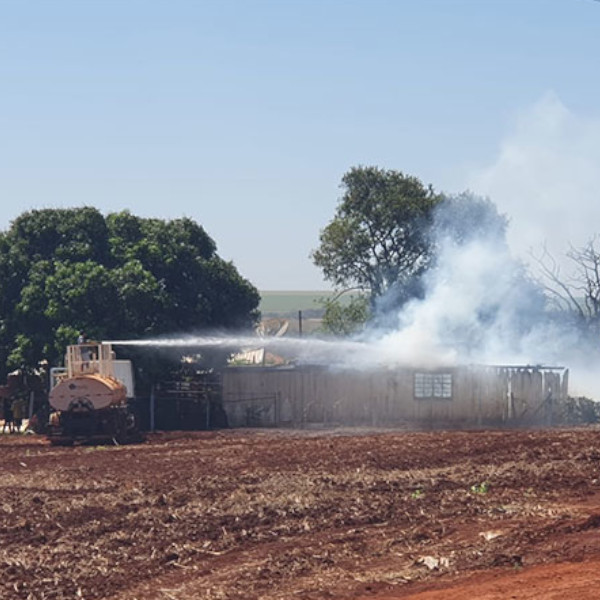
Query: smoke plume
(480, 302)
(478, 306)
(546, 178)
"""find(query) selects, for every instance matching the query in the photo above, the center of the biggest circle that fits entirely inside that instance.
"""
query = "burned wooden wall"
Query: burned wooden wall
(458, 396)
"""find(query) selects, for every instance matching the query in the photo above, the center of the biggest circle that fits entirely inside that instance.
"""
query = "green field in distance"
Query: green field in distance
(283, 302)
(289, 302)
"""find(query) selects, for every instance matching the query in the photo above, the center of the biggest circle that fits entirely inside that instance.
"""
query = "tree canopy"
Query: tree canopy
(114, 277)
(389, 230)
(380, 234)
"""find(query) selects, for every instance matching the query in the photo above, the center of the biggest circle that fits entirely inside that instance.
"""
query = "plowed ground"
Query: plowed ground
(284, 514)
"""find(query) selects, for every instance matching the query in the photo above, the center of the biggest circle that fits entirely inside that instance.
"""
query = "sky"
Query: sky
(245, 114)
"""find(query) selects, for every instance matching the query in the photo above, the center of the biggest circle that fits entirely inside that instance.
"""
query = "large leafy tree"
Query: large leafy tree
(379, 238)
(115, 277)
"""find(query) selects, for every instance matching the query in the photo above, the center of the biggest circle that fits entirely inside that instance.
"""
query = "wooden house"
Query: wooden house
(460, 396)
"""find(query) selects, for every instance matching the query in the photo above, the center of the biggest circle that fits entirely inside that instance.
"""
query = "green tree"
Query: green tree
(379, 237)
(64, 270)
(345, 318)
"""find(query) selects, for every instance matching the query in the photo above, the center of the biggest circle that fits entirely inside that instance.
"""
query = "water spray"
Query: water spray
(384, 351)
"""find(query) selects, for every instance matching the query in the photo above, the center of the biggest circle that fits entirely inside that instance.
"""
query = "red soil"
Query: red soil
(283, 514)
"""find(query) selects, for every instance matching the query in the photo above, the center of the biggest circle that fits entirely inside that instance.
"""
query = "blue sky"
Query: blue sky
(244, 115)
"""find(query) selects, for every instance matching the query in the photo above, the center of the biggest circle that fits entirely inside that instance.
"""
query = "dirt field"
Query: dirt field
(282, 514)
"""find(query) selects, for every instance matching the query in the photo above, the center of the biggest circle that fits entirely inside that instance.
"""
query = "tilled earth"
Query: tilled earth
(301, 514)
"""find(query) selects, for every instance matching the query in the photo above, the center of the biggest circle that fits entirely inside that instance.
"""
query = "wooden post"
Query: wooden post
(300, 323)
(277, 408)
(152, 401)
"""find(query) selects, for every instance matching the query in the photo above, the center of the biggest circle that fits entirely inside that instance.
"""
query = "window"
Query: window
(433, 385)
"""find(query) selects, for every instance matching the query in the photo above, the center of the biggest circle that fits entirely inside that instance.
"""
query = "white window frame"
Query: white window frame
(433, 385)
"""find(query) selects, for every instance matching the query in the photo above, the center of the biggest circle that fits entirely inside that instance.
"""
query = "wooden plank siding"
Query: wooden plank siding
(305, 396)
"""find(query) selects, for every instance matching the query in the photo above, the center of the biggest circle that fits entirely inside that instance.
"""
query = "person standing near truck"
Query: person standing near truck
(86, 352)
(18, 411)
(8, 415)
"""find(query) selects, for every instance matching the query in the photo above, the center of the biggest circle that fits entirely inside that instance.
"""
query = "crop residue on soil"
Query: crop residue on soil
(280, 514)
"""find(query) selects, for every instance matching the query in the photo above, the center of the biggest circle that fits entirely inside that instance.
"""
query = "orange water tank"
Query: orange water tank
(97, 391)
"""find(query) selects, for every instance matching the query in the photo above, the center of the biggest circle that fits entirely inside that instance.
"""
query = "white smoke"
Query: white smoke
(546, 178)
(478, 305)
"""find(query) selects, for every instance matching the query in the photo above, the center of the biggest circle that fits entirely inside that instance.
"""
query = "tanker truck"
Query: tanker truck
(88, 398)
